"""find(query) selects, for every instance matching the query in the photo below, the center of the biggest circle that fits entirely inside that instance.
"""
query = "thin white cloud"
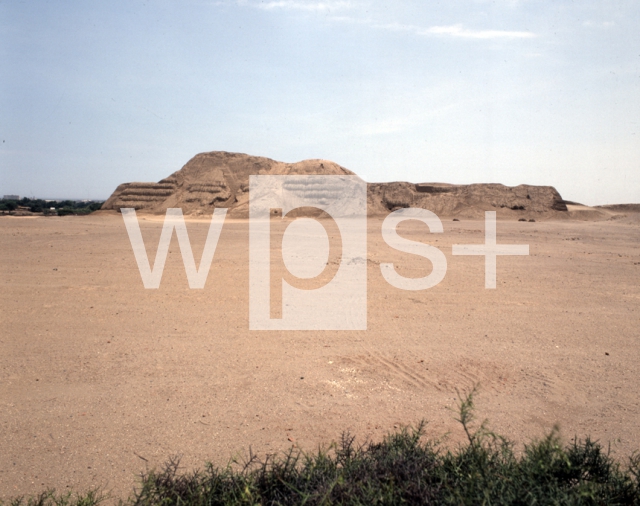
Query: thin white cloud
(301, 5)
(330, 6)
(512, 4)
(350, 19)
(460, 31)
(452, 30)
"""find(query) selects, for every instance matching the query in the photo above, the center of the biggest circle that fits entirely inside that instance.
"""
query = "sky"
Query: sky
(94, 94)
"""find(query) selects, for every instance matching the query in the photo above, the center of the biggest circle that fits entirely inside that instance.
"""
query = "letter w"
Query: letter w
(174, 219)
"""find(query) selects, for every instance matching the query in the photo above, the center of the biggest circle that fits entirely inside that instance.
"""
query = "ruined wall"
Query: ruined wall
(221, 179)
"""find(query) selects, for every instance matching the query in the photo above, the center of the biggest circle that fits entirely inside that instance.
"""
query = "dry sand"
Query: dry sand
(100, 378)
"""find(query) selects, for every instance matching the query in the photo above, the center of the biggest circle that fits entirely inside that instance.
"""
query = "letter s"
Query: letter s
(433, 254)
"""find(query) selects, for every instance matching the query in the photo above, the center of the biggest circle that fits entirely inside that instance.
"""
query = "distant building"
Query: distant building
(11, 197)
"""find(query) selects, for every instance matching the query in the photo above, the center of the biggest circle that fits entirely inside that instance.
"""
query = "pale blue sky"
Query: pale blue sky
(511, 91)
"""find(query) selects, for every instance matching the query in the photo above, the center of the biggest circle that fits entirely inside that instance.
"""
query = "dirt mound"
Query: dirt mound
(587, 213)
(210, 180)
(221, 179)
(625, 213)
(622, 208)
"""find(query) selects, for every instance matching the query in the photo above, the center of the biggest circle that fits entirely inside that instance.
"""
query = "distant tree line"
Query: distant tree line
(61, 208)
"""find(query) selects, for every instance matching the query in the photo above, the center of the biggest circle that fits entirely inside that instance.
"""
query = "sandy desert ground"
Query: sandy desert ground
(100, 378)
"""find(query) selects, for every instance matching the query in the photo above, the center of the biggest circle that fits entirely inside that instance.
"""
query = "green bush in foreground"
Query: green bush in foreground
(402, 469)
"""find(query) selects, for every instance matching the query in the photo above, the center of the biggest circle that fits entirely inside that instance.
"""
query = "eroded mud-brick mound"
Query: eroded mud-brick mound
(210, 180)
(221, 179)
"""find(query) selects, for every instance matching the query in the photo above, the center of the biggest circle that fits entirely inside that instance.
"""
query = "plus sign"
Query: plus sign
(490, 249)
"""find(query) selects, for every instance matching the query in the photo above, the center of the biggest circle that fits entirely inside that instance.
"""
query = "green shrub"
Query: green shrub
(42, 206)
(404, 469)
(65, 211)
(50, 498)
(8, 205)
(401, 469)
